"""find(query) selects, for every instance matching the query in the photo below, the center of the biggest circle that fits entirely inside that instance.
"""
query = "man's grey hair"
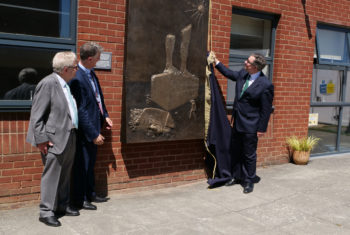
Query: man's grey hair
(63, 59)
(89, 49)
(259, 61)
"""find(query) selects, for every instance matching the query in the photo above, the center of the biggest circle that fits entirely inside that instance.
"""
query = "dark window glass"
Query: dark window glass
(21, 68)
(250, 34)
(49, 18)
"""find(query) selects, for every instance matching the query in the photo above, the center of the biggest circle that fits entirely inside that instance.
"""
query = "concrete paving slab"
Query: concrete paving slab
(289, 199)
(337, 215)
(313, 226)
(310, 203)
(231, 198)
(232, 223)
(271, 190)
(274, 214)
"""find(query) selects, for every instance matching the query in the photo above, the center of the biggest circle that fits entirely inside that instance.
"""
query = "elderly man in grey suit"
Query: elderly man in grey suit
(52, 126)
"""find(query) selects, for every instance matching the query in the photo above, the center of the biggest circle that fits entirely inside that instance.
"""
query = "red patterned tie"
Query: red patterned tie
(96, 92)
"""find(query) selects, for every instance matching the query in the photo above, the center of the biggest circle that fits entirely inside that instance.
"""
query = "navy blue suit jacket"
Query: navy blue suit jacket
(90, 118)
(252, 111)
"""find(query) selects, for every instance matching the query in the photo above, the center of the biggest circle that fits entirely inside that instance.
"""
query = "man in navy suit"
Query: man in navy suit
(92, 115)
(251, 113)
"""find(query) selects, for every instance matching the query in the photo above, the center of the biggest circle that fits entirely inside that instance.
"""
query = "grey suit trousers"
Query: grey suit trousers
(55, 180)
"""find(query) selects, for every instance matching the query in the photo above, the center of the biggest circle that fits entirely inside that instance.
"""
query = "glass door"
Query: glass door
(330, 109)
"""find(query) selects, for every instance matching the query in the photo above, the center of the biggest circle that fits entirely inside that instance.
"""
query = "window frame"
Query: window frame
(347, 44)
(270, 59)
(21, 40)
(331, 65)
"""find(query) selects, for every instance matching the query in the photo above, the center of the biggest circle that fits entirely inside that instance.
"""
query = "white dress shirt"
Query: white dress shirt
(72, 108)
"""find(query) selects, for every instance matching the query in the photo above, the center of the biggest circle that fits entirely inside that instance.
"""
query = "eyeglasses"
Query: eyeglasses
(73, 67)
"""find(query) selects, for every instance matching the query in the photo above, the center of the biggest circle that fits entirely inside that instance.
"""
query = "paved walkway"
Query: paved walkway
(289, 199)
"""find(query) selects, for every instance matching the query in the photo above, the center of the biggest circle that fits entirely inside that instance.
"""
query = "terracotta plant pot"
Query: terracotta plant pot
(301, 157)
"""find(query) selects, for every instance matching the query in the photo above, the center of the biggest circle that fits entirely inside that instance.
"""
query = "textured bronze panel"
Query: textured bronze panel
(165, 69)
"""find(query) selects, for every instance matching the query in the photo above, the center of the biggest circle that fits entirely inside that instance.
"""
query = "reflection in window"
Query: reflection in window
(36, 17)
(21, 68)
(347, 88)
(231, 93)
(326, 128)
(345, 130)
(250, 34)
(327, 85)
(27, 79)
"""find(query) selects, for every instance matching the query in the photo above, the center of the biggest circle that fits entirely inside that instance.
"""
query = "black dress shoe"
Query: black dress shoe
(232, 182)
(248, 188)
(71, 211)
(99, 199)
(50, 221)
(88, 206)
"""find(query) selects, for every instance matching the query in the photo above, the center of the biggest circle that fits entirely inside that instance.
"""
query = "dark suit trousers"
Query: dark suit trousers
(244, 155)
(55, 180)
(83, 186)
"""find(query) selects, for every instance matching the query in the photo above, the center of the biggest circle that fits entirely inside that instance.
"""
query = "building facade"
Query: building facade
(306, 43)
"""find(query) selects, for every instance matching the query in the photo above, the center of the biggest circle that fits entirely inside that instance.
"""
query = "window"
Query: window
(333, 46)
(330, 95)
(31, 32)
(251, 32)
(40, 17)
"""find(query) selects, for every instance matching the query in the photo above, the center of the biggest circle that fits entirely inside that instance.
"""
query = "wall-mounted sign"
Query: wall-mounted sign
(323, 87)
(105, 61)
(327, 88)
(313, 119)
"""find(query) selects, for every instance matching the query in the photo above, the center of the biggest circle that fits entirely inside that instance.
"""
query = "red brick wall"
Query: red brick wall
(131, 166)
(293, 64)
(20, 164)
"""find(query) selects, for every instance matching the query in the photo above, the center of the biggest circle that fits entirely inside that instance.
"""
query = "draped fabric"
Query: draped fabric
(218, 137)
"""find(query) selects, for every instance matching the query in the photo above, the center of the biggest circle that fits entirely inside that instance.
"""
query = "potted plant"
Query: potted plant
(301, 147)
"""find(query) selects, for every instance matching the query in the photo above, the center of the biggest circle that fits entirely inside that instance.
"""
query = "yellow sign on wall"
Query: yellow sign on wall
(330, 87)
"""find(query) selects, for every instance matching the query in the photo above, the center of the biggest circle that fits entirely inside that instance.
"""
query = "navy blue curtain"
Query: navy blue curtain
(218, 141)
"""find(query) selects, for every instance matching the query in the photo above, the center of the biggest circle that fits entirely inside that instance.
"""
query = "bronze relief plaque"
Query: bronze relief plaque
(165, 69)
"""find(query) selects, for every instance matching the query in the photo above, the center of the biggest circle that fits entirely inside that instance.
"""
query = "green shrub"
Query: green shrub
(302, 144)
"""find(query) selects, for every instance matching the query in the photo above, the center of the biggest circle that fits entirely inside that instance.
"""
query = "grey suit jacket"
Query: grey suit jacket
(50, 118)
